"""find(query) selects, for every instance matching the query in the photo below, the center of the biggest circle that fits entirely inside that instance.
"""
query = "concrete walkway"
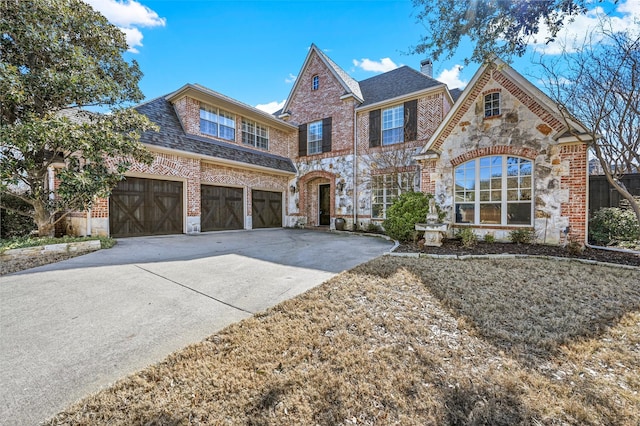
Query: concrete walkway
(72, 328)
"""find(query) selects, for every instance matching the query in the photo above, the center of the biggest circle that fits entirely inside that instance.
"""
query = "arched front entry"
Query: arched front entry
(317, 198)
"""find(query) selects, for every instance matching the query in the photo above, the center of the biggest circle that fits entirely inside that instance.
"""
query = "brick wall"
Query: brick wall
(188, 110)
(576, 182)
(308, 105)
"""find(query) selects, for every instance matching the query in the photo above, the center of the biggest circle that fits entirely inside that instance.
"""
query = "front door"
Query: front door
(324, 204)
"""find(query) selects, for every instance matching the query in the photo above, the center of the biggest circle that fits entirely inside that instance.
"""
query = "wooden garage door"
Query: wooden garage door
(266, 208)
(221, 208)
(140, 207)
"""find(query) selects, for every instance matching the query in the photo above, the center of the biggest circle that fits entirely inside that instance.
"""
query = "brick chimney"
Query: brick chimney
(426, 67)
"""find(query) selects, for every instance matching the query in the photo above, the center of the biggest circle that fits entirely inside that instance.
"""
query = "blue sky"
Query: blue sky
(253, 50)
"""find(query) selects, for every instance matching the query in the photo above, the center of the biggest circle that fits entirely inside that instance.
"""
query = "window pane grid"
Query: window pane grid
(492, 104)
(255, 134)
(393, 125)
(217, 123)
(386, 188)
(314, 138)
(502, 187)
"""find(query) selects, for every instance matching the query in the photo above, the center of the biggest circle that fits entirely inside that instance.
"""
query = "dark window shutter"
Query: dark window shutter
(411, 120)
(326, 134)
(375, 131)
(302, 140)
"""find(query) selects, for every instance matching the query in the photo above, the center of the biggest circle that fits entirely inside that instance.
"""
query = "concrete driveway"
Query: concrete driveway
(72, 328)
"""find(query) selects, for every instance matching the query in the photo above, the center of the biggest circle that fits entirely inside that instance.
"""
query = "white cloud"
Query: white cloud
(575, 33)
(384, 65)
(290, 79)
(271, 107)
(128, 15)
(451, 77)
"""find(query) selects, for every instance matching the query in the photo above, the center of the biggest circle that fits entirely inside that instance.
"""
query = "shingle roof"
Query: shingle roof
(354, 86)
(398, 82)
(455, 94)
(171, 135)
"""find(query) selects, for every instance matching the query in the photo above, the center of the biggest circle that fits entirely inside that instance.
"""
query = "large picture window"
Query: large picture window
(386, 188)
(393, 125)
(314, 138)
(255, 134)
(494, 190)
(217, 122)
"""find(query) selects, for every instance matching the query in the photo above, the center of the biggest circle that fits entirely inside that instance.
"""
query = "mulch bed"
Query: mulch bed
(453, 246)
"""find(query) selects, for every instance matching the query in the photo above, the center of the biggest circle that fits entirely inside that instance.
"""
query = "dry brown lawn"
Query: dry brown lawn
(409, 341)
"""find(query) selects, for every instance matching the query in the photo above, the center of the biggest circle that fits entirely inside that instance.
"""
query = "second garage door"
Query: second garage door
(266, 209)
(140, 207)
(221, 208)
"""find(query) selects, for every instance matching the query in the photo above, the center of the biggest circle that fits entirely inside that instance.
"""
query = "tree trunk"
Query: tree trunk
(43, 220)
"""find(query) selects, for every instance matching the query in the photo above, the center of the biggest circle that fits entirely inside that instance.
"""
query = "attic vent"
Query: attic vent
(426, 67)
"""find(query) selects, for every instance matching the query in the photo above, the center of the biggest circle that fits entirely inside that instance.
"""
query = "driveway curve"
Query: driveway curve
(72, 328)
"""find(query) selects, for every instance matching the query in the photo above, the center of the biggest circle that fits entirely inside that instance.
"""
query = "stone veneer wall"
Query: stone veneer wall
(524, 129)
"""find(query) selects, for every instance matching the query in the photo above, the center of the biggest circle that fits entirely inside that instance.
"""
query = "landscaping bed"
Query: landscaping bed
(455, 247)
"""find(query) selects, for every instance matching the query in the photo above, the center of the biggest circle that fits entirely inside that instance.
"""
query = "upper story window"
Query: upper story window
(314, 138)
(492, 104)
(393, 125)
(315, 83)
(255, 134)
(494, 190)
(217, 122)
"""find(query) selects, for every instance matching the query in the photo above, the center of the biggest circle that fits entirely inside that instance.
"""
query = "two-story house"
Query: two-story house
(498, 156)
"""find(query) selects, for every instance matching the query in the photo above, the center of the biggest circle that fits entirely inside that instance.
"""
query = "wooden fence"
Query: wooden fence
(601, 194)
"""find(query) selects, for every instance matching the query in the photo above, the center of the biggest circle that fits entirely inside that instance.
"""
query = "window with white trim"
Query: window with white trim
(496, 190)
(314, 138)
(386, 188)
(255, 134)
(315, 82)
(393, 125)
(217, 122)
(492, 105)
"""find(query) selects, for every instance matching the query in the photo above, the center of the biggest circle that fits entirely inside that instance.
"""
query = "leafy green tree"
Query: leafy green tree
(494, 27)
(56, 57)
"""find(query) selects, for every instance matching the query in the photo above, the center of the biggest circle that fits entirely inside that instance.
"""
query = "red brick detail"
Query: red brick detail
(544, 129)
(495, 150)
(308, 105)
(494, 90)
(100, 208)
(576, 182)
(427, 185)
(308, 187)
(188, 110)
(527, 100)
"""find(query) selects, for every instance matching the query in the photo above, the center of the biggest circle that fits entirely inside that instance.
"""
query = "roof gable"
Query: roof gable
(351, 87)
(516, 85)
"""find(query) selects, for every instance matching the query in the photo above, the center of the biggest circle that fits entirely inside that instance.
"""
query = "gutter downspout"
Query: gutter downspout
(355, 168)
(88, 228)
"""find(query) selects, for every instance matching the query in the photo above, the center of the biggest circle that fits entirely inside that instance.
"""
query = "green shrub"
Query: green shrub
(13, 224)
(489, 238)
(407, 210)
(612, 225)
(522, 236)
(468, 238)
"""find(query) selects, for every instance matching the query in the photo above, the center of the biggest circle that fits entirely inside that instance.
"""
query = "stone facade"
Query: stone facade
(525, 128)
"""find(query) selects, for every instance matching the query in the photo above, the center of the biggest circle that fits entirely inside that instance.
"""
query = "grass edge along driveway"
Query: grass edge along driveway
(409, 341)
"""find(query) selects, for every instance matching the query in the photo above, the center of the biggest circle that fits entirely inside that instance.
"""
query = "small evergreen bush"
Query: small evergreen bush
(612, 225)
(407, 210)
(468, 238)
(522, 236)
(489, 238)
(13, 224)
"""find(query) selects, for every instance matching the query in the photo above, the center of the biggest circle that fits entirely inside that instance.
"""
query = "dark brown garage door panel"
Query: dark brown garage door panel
(266, 208)
(221, 207)
(140, 207)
